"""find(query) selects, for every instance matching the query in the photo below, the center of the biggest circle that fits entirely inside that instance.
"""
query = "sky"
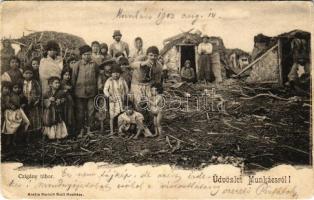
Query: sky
(235, 22)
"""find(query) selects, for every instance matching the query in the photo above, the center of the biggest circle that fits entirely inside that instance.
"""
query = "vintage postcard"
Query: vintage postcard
(156, 100)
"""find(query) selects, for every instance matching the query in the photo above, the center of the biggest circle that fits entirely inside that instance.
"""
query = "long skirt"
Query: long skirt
(216, 66)
(34, 116)
(205, 70)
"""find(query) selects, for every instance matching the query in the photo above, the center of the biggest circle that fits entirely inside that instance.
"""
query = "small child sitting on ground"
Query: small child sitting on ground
(131, 122)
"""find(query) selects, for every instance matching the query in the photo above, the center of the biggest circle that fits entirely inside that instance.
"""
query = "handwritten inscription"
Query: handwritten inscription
(162, 15)
(75, 183)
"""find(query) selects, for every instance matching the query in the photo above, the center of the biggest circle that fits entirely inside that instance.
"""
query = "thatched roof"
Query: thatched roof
(40, 38)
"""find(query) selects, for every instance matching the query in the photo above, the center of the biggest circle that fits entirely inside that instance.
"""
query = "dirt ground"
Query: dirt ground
(254, 134)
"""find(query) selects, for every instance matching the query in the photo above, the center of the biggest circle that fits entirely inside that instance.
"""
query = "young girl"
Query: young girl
(68, 109)
(156, 104)
(14, 74)
(116, 90)
(104, 51)
(35, 65)
(54, 126)
(32, 93)
(5, 97)
(14, 116)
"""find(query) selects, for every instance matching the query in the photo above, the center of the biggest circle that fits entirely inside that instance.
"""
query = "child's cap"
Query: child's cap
(84, 49)
(107, 62)
(116, 68)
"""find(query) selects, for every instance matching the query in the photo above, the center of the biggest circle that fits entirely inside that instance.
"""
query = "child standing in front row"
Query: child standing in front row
(14, 116)
(155, 106)
(116, 89)
(54, 126)
(68, 108)
(32, 94)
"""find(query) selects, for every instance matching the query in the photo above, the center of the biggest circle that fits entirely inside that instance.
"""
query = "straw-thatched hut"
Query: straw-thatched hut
(182, 47)
(32, 45)
(274, 57)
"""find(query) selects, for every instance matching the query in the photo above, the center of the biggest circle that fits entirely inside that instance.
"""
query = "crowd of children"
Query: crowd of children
(63, 103)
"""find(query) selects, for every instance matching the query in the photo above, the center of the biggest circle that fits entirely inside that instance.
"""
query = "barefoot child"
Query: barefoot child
(32, 94)
(131, 122)
(156, 104)
(54, 126)
(14, 116)
(116, 90)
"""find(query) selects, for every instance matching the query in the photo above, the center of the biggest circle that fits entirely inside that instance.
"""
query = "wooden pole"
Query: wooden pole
(255, 61)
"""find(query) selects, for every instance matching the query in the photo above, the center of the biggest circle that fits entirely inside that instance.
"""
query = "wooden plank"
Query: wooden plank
(279, 62)
(255, 61)
(196, 64)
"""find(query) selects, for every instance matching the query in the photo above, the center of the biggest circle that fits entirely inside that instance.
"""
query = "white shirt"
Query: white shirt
(206, 48)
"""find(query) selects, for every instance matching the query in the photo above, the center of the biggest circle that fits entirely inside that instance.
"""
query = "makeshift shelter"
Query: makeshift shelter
(32, 45)
(238, 59)
(182, 47)
(274, 60)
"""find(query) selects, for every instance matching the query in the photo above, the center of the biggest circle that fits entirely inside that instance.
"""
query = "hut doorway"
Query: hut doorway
(187, 52)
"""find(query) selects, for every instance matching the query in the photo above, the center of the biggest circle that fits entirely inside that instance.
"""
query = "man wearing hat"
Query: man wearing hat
(84, 80)
(146, 72)
(51, 65)
(118, 45)
(205, 50)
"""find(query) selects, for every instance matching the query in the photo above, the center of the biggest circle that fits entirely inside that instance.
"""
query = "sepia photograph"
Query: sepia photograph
(190, 84)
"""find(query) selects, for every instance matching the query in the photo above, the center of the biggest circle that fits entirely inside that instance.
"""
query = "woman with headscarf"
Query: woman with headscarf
(51, 65)
(138, 51)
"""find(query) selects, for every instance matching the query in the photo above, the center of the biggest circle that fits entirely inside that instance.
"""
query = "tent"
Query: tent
(183, 46)
(274, 57)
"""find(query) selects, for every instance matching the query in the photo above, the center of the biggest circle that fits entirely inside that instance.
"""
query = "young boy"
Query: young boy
(155, 107)
(131, 122)
(116, 90)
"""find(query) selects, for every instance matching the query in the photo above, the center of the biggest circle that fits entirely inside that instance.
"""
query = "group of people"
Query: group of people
(59, 97)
